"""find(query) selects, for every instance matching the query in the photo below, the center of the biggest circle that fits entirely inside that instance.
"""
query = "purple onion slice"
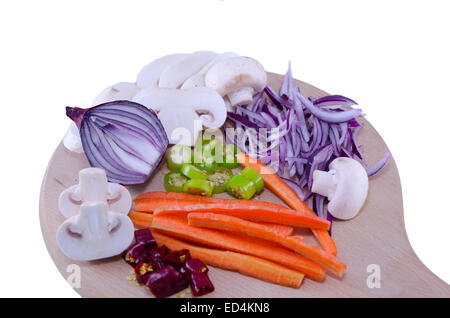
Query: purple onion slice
(332, 100)
(379, 165)
(122, 137)
(329, 116)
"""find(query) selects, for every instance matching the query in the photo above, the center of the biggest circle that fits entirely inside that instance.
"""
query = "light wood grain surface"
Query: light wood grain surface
(376, 236)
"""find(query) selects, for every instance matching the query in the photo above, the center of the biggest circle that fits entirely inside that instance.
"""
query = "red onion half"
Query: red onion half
(122, 137)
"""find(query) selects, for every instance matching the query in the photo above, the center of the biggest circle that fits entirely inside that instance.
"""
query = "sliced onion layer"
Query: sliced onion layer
(122, 137)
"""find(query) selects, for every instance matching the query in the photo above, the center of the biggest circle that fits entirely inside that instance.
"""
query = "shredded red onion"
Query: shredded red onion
(333, 100)
(304, 133)
(379, 165)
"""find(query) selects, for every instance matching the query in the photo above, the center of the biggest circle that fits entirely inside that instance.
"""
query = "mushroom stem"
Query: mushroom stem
(93, 185)
(241, 96)
(93, 217)
(324, 183)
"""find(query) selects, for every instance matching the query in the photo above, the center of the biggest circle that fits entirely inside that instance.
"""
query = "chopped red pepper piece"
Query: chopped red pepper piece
(196, 265)
(146, 237)
(134, 253)
(200, 284)
(165, 282)
(191, 266)
(178, 258)
(159, 256)
(143, 270)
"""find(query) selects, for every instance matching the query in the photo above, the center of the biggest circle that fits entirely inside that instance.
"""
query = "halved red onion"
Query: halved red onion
(122, 137)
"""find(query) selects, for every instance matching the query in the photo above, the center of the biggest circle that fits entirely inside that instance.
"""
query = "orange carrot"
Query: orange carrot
(142, 220)
(159, 195)
(178, 227)
(252, 213)
(233, 224)
(149, 205)
(281, 229)
(316, 254)
(295, 243)
(273, 182)
(244, 264)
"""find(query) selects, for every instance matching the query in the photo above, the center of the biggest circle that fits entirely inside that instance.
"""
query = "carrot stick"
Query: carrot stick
(144, 220)
(281, 229)
(273, 182)
(295, 243)
(149, 205)
(233, 224)
(244, 264)
(252, 213)
(315, 253)
(141, 220)
(178, 227)
(159, 195)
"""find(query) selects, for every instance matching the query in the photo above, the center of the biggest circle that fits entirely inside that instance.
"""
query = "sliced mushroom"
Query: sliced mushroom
(184, 112)
(345, 185)
(239, 78)
(93, 186)
(94, 233)
(149, 75)
(119, 91)
(198, 79)
(174, 75)
(72, 139)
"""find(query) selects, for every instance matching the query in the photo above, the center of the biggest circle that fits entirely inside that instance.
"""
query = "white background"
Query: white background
(390, 56)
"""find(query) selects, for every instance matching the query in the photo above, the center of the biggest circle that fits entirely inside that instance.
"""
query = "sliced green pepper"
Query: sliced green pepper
(210, 147)
(240, 187)
(219, 178)
(193, 172)
(174, 182)
(253, 175)
(208, 164)
(229, 161)
(177, 155)
(199, 187)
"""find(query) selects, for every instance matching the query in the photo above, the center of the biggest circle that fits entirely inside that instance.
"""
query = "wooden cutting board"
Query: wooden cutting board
(375, 238)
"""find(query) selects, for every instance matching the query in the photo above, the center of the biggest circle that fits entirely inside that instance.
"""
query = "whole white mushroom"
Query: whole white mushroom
(150, 73)
(239, 78)
(345, 185)
(94, 233)
(175, 74)
(118, 91)
(198, 79)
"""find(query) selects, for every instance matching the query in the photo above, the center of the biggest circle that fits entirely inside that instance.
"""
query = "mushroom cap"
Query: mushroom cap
(150, 73)
(72, 139)
(94, 233)
(175, 74)
(118, 91)
(236, 73)
(346, 185)
(185, 110)
(198, 79)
